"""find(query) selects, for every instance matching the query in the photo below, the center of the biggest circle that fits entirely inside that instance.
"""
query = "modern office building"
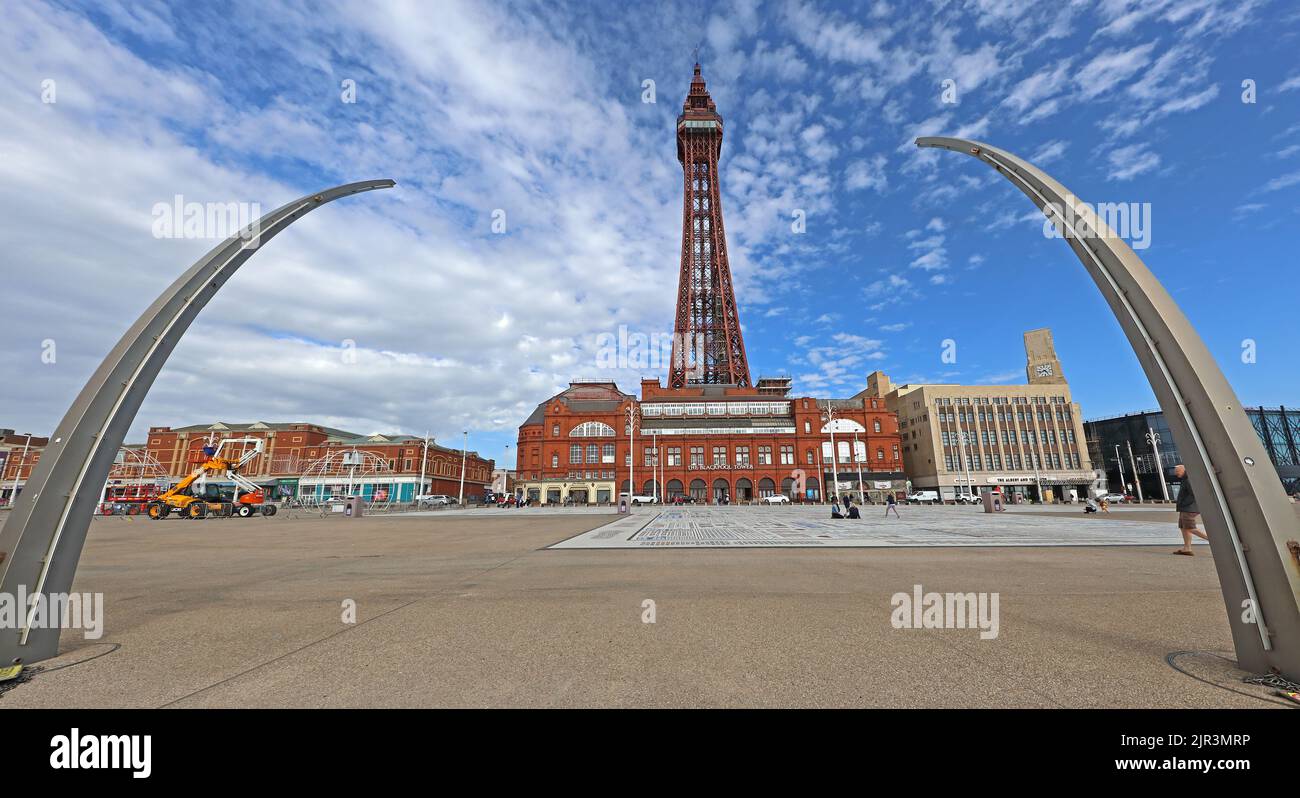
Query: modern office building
(1141, 444)
(1026, 440)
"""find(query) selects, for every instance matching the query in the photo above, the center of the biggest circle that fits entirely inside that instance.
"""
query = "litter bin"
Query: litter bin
(354, 507)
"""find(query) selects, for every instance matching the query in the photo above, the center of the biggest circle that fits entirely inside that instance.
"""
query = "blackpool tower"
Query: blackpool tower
(707, 346)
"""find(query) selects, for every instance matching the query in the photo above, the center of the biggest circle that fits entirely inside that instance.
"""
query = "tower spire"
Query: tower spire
(707, 344)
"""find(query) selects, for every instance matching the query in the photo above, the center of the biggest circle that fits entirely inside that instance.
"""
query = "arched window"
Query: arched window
(592, 429)
(880, 454)
(876, 425)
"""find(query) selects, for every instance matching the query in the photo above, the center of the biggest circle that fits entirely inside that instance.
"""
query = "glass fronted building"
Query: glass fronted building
(1123, 443)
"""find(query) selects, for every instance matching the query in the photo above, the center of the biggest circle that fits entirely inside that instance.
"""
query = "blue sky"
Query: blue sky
(535, 112)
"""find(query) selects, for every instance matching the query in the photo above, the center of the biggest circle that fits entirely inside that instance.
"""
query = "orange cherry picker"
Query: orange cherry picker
(193, 497)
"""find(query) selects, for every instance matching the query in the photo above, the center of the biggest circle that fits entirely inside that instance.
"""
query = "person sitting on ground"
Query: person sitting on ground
(853, 511)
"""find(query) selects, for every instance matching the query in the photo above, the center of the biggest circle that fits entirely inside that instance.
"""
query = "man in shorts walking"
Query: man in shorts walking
(1187, 512)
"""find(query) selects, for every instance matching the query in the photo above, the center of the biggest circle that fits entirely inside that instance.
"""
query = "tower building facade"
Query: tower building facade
(707, 344)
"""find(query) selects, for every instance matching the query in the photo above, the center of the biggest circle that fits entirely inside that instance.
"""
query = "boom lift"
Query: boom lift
(192, 497)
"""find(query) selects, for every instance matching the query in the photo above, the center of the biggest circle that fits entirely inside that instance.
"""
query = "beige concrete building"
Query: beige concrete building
(1026, 440)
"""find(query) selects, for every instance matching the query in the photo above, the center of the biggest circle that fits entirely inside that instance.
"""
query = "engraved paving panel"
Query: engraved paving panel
(779, 527)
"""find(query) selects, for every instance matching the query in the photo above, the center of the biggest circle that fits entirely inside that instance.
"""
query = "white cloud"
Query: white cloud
(1282, 181)
(1128, 162)
(1049, 152)
(866, 173)
(1110, 69)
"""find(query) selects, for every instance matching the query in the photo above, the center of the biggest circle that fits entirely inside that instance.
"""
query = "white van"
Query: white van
(923, 497)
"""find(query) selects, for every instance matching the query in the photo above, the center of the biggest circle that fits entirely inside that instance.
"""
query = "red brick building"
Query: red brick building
(713, 443)
(19, 455)
(291, 449)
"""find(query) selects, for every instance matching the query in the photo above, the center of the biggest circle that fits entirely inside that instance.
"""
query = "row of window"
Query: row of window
(967, 401)
(594, 453)
(990, 437)
(993, 462)
(716, 409)
(720, 456)
(967, 417)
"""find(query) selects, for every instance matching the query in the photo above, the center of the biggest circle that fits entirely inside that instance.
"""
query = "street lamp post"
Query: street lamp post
(961, 452)
(631, 451)
(424, 459)
(1137, 481)
(505, 476)
(1038, 480)
(464, 453)
(1119, 461)
(13, 493)
(655, 475)
(829, 415)
(1153, 438)
(821, 469)
(858, 459)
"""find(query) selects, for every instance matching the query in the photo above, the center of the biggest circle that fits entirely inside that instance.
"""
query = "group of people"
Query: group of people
(851, 509)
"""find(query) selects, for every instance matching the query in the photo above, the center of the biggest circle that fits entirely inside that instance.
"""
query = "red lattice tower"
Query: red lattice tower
(707, 346)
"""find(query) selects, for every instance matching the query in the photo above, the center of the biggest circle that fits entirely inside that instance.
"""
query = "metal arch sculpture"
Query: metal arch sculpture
(1252, 527)
(42, 540)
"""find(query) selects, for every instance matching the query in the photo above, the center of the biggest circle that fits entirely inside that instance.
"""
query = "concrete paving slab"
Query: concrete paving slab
(478, 611)
(812, 526)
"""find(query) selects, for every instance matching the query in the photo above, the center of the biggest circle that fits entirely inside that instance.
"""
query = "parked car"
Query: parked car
(776, 498)
(1114, 498)
(639, 500)
(434, 500)
(923, 497)
(969, 498)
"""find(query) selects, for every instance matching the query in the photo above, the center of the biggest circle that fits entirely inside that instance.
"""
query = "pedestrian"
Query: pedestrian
(891, 503)
(835, 507)
(1187, 512)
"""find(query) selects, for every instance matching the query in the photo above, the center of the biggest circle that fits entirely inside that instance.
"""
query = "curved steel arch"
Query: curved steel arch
(42, 540)
(1248, 516)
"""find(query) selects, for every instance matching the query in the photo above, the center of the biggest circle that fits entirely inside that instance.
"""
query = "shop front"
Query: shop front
(565, 492)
